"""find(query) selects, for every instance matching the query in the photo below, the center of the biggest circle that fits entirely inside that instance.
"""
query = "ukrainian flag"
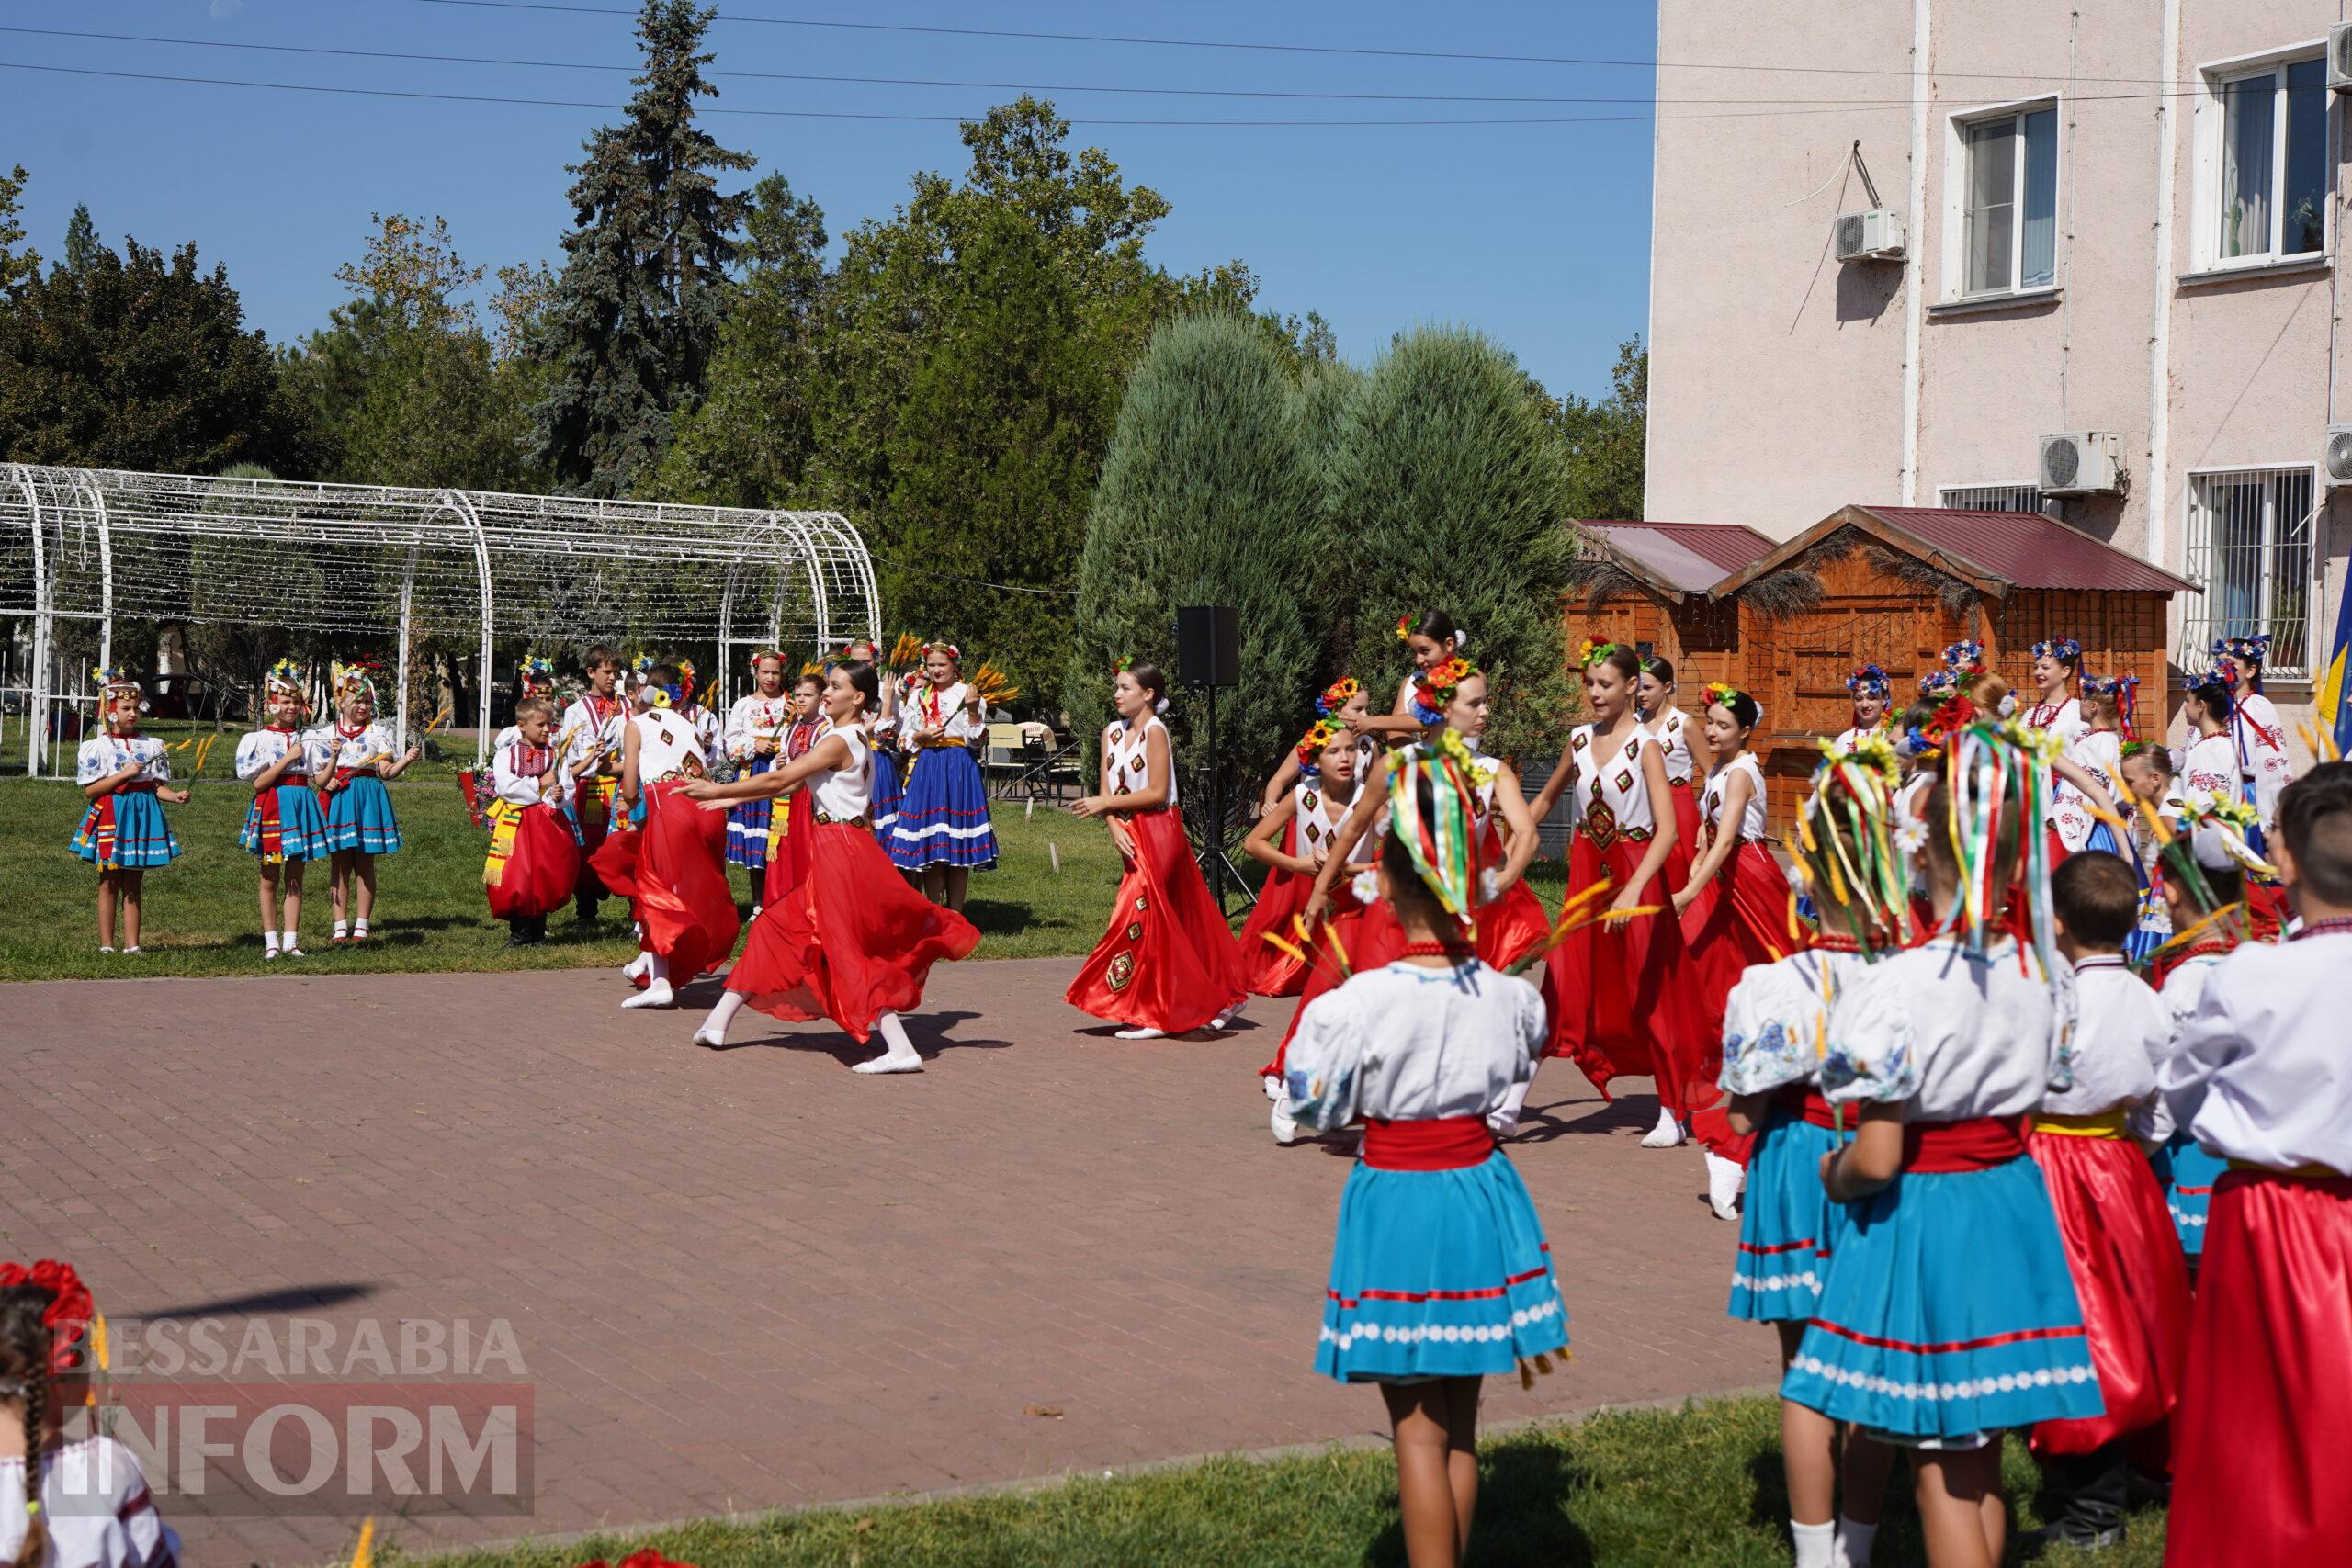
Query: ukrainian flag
(2331, 703)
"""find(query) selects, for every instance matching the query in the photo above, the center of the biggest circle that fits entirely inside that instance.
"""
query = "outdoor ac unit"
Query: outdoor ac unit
(2339, 57)
(2337, 464)
(1875, 235)
(2082, 462)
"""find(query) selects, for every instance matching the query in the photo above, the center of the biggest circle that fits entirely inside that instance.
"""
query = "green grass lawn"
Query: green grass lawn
(1629, 1489)
(201, 918)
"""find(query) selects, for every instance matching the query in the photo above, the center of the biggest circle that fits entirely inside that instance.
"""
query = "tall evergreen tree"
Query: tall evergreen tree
(1207, 496)
(1448, 486)
(629, 337)
(81, 244)
(15, 265)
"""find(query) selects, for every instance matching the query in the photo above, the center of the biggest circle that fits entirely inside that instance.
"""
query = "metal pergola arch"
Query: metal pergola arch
(92, 546)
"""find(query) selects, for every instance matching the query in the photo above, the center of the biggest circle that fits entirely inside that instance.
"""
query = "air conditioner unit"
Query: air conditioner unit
(2082, 462)
(2339, 57)
(2336, 466)
(1875, 235)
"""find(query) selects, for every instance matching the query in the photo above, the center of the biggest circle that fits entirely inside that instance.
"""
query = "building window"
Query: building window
(1990, 498)
(2250, 549)
(2009, 201)
(2271, 167)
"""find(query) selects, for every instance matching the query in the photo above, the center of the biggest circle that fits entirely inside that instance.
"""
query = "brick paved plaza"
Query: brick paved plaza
(748, 1280)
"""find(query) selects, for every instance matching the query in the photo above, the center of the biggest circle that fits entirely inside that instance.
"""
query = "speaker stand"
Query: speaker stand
(1215, 867)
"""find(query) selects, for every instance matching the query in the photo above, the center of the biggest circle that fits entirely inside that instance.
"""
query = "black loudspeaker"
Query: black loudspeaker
(1208, 645)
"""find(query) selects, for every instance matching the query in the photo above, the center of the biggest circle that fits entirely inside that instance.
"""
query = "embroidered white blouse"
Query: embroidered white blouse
(2209, 770)
(1672, 733)
(260, 750)
(2061, 719)
(96, 1506)
(2184, 991)
(102, 756)
(331, 747)
(664, 743)
(1125, 756)
(2259, 740)
(1776, 1019)
(1412, 1045)
(1612, 797)
(589, 730)
(2101, 753)
(2262, 1072)
(1949, 1036)
(754, 718)
(2122, 1028)
(951, 708)
(519, 774)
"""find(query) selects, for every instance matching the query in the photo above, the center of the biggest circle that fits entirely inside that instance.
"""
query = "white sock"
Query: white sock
(343, 930)
(1854, 1542)
(360, 926)
(714, 1027)
(639, 965)
(285, 942)
(1140, 1032)
(899, 1056)
(657, 992)
(1724, 1179)
(1814, 1543)
(270, 943)
(1666, 1134)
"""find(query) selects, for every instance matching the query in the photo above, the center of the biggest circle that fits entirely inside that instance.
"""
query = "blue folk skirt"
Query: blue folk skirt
(359, 816)
(2187, 1172)
(747, 825)
(1438, 1273)
(1788, 1226)
(302, 825)
(882, 809)
(142, 838)
(1951, 1313)
(943, 813)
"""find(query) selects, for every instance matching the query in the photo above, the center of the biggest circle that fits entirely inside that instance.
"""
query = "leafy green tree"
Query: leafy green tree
(1208, 495)
(630, 334)
(1447, 488)
(750, 441)
(81, 244)
(1607, 440)
(142, 361)
(15, 266)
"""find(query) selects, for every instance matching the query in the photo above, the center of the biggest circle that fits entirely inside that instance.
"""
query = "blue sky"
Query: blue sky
(1538, 234)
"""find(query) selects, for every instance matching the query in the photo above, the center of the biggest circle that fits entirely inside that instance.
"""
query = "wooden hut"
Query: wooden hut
(1646, 583)
(1893, 585)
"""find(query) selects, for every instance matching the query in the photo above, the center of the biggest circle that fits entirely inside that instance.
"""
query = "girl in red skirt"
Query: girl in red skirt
(852, 941)
(1654, 694)
(1167, 964)
(674, 868)
(1621, 996)
(1291, 840)
(1432, 639)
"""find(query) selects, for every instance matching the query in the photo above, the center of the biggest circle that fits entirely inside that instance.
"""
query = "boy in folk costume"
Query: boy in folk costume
(2256, 733)
(673, 869)
(123, 774)
(2260, 1079)
(2127, 1264)
(1870, 688)
(2204, 893)
(284, 828)
(356, 761)
(754, 737)
(533, 861)
(788, 862)
(592, 746)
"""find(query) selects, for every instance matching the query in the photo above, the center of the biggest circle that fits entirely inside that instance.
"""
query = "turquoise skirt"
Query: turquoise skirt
(302, 825)
(1788, 1226)
(1438, 1273)
(359, 816)
(2187, 1172)
(142, 838)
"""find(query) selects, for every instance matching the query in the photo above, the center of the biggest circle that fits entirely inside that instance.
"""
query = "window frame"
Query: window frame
(2211, 124)
(2201, 617)
(1956, 171)
(1945, 493)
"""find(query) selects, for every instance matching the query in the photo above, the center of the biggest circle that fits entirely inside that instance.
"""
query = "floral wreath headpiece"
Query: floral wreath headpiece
(763, 655)
(2058, 647)
(1408, 626)
(2123, 688)
(1869, 680)
(685, 679)
(2216, 680)
(643, 662)
(1939, 683)
(1434, 823)
(954, 654)
(354, 678)
(114, 681)
(535, 673)
(2243, 649)
(1592, 653)
(1123, 664)
(1723, 693)
(77, 1334)
(1433, 688)
(285, 676)
(1337, 695)
(1311, 748)
(1965, 657)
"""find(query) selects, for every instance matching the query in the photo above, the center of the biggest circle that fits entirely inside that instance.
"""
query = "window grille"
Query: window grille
(1990, 498)
(2250, 534)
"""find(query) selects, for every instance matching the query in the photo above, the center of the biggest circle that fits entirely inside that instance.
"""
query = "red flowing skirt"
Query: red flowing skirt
(1621, 991)
(1168, 961)
(851, 941)
(1370, 936)
(788, 866)
(2130, 1277)
(674, 873)
(2265, 1412)
(1271, 972)
(542, 869)
(1740, 919)
(1676, 870)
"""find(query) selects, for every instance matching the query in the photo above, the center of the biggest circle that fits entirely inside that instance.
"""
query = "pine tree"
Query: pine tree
(630, 334)
(15, 266)
(1447, 487)
(82, 243)
(1207, 496)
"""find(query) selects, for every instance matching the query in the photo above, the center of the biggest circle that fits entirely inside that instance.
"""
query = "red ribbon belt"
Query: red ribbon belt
(100, 822)
(1446, 1143)
(1980, 1142)
(1798, 1100)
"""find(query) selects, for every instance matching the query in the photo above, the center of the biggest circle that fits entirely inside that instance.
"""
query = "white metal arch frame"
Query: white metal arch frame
(330, 562)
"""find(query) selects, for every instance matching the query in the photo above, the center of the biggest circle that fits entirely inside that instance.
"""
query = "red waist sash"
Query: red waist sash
(1802, 1099)
(1446, 1143)
(1980, 1142)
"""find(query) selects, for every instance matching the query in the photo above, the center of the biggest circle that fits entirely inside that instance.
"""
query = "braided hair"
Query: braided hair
(23, 1368)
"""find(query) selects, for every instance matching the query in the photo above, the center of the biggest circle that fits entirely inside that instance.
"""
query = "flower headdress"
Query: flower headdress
(685, 680)
(1433, 688)
(2059, 647)
(954, 654)
(1952, 714)
(1122, 664)
(357, 679)
(71, 1316)
(761, 656)
(1337, 695)
(1002, 690)
(1724, 693)
(2217, 682)
(1430, 802)
(1592, 653)
(115, 682)
(1407, 625)
(1965, 657)
(2243, 649)
(1310, 747)
(642, 664)
(1847, 851)
(2123, 688)
(1869, 680)
(284, 678)
(534, 674)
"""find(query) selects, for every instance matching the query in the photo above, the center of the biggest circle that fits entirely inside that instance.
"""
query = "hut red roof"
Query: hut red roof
(1994, 550)
(1679, 558)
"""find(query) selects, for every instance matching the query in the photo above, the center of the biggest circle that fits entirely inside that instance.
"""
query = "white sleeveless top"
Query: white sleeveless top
(1320, 818)
(1672, 735)
(846, 792)
(1125, 754)
(667, 745)
(1751, 817)
(1611, 798)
